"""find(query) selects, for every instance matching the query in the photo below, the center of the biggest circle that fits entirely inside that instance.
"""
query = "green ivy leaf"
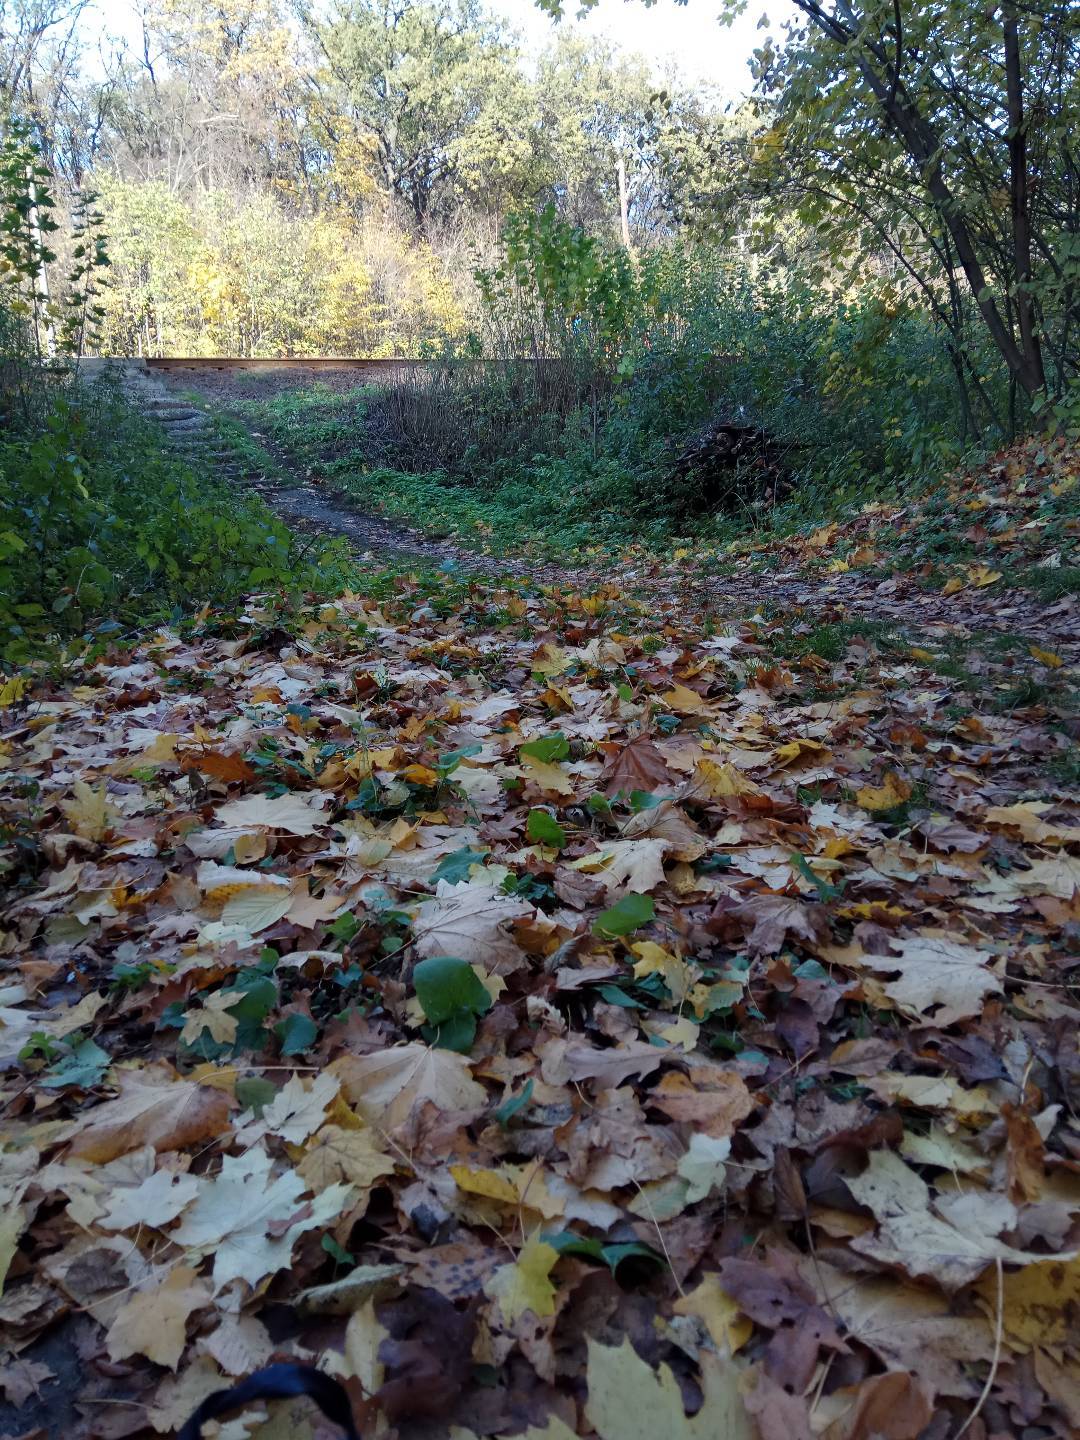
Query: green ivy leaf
(455, 867)
(543, 829)
(446, 986)
(255, 1093)
(296, 1033)
(84, 1066)
(509, 1108)
(551, 747)
(625, 915)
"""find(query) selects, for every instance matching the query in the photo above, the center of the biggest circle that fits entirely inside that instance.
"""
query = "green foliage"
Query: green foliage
(859, 395)
(98, 520)
(452, 997)
(939, 136)
(543, 829)
(625, 916)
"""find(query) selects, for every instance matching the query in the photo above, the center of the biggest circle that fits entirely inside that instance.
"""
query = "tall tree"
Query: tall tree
(437, 90)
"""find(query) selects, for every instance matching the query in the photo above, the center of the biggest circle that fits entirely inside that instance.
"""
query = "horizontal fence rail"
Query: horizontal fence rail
(383, 366)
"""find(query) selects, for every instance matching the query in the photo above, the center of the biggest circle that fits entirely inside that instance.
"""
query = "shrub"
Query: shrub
(600, 373)
(96, 518)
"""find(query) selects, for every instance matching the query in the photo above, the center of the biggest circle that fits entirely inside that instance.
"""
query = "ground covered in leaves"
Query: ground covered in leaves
(552, 1014)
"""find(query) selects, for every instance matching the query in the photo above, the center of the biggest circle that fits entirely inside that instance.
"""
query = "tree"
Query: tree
(437, 90)
(961, 119)
(949, 130)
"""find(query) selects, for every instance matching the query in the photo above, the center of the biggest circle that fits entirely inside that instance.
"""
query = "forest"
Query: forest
(539, 872)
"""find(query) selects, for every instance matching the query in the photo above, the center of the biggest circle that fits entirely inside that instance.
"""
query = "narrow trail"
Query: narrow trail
(297, 499)
(318, 509)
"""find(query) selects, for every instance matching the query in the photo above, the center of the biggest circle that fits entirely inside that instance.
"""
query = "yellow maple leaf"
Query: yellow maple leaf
(728, 1327)
(981, 576)
(887, 796)
(678, 976)
(89, 812)
(546, 775)
(517, 1185)
(13, 689)
(721, 781)
(953, 586)
(550, 660)
(213, 1016)
(524, 1285)
(488, 1183)
(1046, 657)
(685, 701)
(793, 750)
(1037, 1301)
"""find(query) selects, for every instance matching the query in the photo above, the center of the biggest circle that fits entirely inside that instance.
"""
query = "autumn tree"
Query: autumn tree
(437, 91)
(949, 130)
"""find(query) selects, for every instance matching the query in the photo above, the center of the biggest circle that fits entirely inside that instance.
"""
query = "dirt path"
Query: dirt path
(298, 499)
(316, 508)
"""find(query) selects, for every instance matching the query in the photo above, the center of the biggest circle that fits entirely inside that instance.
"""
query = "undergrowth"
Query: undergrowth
(102, 525)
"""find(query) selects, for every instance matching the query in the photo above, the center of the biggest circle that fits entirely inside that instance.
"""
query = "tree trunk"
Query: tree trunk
(1035, 379)
(924, 147)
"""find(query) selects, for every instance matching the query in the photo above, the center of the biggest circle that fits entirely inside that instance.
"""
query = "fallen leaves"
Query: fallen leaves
(524, 1285)
(249, 1218)
(153, 1322)
(629, 1401)
(756, 951)
(386, 1087)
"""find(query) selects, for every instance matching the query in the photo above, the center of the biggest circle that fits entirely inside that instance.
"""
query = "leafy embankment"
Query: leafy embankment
(1013, 521)
(550, 1015)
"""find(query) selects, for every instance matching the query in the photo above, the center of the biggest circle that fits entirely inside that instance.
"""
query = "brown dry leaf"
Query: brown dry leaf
(1025, 1156)
(909, 1328)
(939, 979)
(153, 1108)
(919, 1242)
(887, 1407)
(771, 919)
(218, 763)
(638, 766)
(354, 1156)
(469, 922)
(291, 813)
(565, 1061)
(20, 1379)
(711, 1100)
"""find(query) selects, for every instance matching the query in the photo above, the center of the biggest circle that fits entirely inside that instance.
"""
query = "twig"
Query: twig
(660, 1237)
(997, 1353)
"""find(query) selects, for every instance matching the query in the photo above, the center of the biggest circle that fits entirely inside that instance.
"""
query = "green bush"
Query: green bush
(637, 360)
(98, 519)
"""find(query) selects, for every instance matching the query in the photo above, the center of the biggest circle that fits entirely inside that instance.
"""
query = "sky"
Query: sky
(703, 52)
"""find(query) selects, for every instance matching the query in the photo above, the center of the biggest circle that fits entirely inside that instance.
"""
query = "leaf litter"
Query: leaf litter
(548, 1012)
